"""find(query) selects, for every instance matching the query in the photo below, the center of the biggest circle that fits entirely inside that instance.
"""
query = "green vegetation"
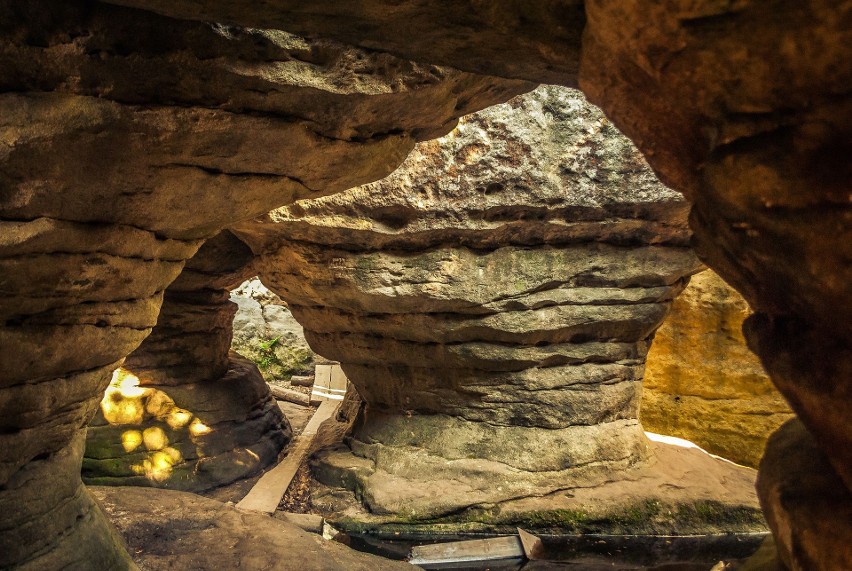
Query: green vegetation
(650, 517)
(276, 359)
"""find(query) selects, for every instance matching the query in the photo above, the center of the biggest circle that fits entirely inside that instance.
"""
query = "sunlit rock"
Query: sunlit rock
(205, 415)
(126, 139)
(701, 381)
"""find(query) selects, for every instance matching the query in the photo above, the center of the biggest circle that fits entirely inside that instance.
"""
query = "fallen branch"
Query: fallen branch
(302, 381)
(290, 396)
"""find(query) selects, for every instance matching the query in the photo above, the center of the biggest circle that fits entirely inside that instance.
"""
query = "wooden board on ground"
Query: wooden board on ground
(518, 546)
(329, 383)
(491, 549)
(266, 494)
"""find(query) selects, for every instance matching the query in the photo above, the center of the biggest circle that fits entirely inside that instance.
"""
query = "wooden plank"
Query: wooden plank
(490, 549)
(266, 494)
(294, 397)
(329, 383)
(532, 545)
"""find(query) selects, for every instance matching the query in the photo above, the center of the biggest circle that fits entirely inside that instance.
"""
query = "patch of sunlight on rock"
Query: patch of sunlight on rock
(198, 428)
(246, 457)
(127, 402)
(155, 438)
(122, 403)
(178, 418)
(682, 443)
(158, 466)
(130, 440)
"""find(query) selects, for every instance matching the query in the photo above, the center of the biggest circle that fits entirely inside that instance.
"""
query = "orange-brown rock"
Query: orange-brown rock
(702, 383)
(806, 503)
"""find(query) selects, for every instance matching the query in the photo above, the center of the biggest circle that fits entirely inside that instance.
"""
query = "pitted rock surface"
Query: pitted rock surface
(493, 301)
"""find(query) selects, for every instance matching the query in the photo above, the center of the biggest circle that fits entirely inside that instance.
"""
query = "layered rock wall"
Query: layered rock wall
(493, 301)
(743, 106)
(184, 412)
(127, 139)
(701, 381)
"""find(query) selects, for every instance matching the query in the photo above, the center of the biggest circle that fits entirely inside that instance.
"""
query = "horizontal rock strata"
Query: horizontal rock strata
(118, 158)
(184, 412)
(493, 301)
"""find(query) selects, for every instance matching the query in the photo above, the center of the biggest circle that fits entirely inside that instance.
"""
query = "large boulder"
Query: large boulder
(493, 301)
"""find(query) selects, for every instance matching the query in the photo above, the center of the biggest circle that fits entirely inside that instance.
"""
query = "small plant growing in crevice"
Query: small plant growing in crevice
(268, 358)
(277, 359)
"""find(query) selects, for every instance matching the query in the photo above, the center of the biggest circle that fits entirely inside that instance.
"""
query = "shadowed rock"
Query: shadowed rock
(118, 159)
(743, 106)
(797, 497)
(183, 413)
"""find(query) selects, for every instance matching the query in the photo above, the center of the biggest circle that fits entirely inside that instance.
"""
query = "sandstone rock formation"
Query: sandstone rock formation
(266, 332)
(806, 504)
(181, 412)
(539, 42)
(492, 300)
(127, 139)
(701, 381)
(743, 106)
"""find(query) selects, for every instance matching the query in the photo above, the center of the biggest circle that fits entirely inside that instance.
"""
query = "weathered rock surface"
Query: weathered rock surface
(119, 156)
(701, 381)
(493, 303)
(167, 529)
(266, 332)
(744, 106)
(798, 489)
(185, 413)
(681, 489)
(760, 151)
(539, 42)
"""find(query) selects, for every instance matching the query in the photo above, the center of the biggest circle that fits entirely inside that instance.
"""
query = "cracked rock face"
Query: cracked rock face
(117, 159)
(183, 412)
(493, 304)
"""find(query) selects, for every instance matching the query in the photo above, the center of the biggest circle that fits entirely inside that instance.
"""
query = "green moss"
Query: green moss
(275, 358)
(649, 517)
